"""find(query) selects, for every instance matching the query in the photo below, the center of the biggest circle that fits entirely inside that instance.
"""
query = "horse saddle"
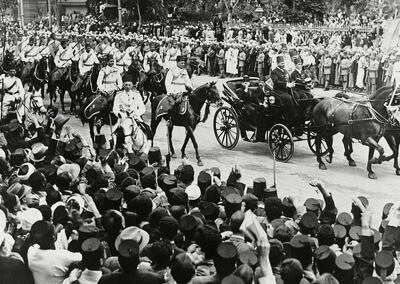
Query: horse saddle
(178, 103)
(96, 104)
(183, 106)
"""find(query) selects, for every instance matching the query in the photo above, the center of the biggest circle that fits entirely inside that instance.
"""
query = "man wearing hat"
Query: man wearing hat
(62, 61)
(129, 103)
(280, 78)
(86, 62)
(13, 90)
(151, 57)
(109, 80)
(121, 58)
(177, 83)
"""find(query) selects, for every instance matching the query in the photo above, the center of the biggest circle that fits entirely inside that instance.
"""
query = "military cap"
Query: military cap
(178, 196)
(216, 172)
(339, 231)
(227, 251)
(233, 203)
(247, 256)
(355, 233)
(386, 210)
(251, 201)
(91, 248)
(384, 260)
(209, 210)
(226, 190)
(308, 223)
(299, 241)
(128, 248)
(188, 223)
(87, 232)
(154, 155)
(345, 262)
(312, 204)
(148, 171)
(136, 163)
(344, 219)
(324, 255)
(203, 180)
(270, 192)
(259, 185)
(170, 181)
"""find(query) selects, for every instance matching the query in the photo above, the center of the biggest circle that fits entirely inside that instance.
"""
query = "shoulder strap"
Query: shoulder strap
(12, 86)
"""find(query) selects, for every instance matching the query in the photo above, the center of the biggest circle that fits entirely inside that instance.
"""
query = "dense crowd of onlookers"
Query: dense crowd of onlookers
(73, 213)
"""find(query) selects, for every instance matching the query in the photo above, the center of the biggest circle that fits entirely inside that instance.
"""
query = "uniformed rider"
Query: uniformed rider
(86, 62)
(129, 103)
(109, 80)
(122, 59)
(13, 89)
(177, 83)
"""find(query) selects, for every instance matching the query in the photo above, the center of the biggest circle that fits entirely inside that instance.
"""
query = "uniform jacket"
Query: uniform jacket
(280, 77)
(128, 102)
(109, 80)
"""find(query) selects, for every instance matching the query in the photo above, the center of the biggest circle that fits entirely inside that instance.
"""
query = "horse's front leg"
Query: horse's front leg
(348, 149)
(394, 146)
(170, 129)
(318, 141)
(371, 142)
(189, 131)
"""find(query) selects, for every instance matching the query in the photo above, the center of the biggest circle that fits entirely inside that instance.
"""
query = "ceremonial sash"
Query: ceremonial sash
(87, 58)
(29, 51)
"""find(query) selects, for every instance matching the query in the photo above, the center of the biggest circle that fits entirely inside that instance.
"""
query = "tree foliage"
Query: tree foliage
(4, 4)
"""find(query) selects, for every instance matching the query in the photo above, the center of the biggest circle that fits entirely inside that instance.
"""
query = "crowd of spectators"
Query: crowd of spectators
(73, 213)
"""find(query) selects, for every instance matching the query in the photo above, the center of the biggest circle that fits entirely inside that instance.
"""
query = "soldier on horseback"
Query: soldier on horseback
(129, 103)
(109, 80)
(122, 58)
(177, 83)
(151, 57)
(13, 90)
(63, 58)
(86, 62)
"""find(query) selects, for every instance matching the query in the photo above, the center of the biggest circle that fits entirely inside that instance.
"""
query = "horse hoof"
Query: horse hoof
(173, 156)
(322, 166)
(352, 164)
(372, 176)
(398, 172)
(328, 159)
(200, 163)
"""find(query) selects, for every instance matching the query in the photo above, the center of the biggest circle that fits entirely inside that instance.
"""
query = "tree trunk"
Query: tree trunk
(139, 14)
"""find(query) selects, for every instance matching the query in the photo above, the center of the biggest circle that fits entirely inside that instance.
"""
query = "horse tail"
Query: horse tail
(206, 113)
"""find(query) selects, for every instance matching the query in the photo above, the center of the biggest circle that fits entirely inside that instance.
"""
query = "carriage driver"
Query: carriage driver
(177, 83)
(109, 80)
(280, 78)
(13, 89)
(129, 103)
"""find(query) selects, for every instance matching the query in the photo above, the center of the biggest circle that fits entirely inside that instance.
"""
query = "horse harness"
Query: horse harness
(374, 116)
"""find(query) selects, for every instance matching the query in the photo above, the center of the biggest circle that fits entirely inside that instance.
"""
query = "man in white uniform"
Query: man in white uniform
(177, 83)
(86, 62)
(109, 80)
(13, 90)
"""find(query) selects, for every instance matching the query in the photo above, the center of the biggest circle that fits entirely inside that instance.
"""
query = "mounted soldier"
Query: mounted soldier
(109, 80)
(122, 59)
(13, 89)
(178, 84)
(86, 62)
(62, 61)
(151, 57)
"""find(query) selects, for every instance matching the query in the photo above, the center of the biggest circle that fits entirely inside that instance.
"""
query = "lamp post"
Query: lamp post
(119, 13)
(49, 11)
(22, 12)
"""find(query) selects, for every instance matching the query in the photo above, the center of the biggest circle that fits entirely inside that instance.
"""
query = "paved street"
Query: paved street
(255, 160)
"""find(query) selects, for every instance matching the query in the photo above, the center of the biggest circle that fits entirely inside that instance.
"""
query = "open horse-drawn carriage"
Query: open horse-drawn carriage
(231, 122)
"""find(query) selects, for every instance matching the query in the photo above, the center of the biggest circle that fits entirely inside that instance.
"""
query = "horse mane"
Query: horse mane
(380, 91)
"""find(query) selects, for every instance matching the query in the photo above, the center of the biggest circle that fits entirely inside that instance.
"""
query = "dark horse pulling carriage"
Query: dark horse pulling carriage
(230, 122)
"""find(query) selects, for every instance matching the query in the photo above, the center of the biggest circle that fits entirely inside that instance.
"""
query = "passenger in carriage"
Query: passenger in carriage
(281, 79)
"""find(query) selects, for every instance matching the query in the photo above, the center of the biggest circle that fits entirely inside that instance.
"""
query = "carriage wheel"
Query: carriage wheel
(281, 142)
(311, 135)
(226, 127)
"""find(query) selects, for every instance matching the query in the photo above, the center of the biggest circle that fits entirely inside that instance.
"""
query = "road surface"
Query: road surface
(255, 160)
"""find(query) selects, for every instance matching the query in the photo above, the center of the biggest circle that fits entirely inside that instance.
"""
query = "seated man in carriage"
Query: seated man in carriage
(178, 84)
(282, 85)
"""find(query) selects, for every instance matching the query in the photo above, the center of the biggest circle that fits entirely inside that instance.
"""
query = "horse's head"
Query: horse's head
(36, 104)
(212, 94)
(133, 136)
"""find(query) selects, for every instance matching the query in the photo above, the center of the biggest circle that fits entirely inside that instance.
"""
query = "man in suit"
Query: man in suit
(281, 79)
